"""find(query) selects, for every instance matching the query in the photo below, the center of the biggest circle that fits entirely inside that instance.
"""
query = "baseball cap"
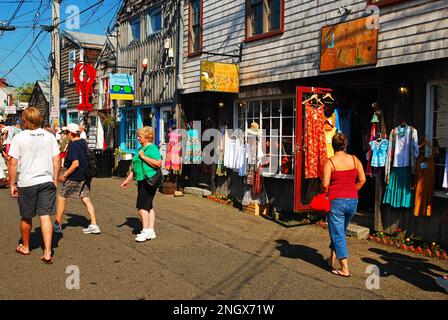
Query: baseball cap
(72, 127)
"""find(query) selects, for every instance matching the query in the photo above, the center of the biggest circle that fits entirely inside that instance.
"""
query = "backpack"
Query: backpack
(92, 168)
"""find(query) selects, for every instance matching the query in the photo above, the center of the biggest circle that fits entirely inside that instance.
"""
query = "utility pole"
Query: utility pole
(56, 75)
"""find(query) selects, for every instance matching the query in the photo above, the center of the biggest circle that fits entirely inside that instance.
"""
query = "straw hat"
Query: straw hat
(254, 128)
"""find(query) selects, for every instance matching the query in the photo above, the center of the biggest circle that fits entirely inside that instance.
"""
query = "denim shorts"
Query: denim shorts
(341, 213)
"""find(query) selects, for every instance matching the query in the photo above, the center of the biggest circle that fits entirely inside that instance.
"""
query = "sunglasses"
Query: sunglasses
(117, 88)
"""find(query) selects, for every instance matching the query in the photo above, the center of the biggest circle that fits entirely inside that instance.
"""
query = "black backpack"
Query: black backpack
(92, 168)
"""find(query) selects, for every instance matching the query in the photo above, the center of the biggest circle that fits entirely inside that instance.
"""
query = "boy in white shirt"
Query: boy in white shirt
(38, 153)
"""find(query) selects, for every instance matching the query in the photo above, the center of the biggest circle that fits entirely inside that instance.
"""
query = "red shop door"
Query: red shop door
(302, 94)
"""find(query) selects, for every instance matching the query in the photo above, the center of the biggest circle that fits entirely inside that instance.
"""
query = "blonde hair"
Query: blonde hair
(32, 118)
(147, 132)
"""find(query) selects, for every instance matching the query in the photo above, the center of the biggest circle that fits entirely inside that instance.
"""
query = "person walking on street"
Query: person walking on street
(145, 163)
(38, 154)
(76, 181)
(343, 177)
(63, 145)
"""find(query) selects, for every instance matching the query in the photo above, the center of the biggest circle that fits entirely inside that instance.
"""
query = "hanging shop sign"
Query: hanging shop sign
(63, 103)
(121, 86)
(219, 77)
(348, 45)
(10, 109)
(84, 75)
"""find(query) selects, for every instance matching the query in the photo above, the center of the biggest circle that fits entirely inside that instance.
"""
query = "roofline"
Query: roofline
(81, 44)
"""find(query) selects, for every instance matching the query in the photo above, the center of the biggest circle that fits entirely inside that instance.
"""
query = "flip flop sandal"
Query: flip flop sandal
(338, 273)
(329, 265)
(50, 261)
(20, 251)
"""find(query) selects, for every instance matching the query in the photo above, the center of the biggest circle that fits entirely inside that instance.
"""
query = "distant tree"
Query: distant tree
(23, 93)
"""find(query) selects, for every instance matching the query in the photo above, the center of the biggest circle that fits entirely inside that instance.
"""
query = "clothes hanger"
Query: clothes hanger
(314, 96)
(328, 95)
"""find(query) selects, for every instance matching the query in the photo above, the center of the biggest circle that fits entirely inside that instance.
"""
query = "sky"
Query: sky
(14, 44)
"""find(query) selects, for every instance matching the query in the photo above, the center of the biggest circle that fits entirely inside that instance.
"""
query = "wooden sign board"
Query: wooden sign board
(219, 77)
(348, 45)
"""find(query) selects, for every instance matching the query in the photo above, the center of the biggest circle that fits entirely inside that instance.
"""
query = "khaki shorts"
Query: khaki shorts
(75, 189)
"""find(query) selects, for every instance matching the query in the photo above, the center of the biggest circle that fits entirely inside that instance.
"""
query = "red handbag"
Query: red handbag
(321, 203)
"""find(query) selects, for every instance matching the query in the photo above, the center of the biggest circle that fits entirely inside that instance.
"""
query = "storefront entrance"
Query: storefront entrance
(354, 114)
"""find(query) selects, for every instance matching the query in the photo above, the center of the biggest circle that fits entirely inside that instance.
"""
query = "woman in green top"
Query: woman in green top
(145, 163)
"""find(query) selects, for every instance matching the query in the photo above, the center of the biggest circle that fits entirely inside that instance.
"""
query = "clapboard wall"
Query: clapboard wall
(156, 84)
(412, 31)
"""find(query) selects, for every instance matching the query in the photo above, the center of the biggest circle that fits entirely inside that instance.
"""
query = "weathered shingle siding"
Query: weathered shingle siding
(157, 84)
(411, 31)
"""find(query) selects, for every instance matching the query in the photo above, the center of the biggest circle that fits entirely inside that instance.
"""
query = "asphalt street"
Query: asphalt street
(203, 250)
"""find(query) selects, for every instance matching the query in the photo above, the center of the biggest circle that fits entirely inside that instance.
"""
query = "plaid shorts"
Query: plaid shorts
(75, 189)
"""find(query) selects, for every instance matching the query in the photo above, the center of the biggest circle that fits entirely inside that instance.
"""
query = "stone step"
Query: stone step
(197, 191)
(357, 232)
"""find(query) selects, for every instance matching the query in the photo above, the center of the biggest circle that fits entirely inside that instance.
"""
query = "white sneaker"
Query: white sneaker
(92, 229)
(152, 235)
(145, 235)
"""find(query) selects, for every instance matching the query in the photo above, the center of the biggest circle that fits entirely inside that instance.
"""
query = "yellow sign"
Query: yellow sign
(219, 77)
(121, 96)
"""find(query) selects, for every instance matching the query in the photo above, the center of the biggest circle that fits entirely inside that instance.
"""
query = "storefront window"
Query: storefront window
(73, 117)
(130, 133)
(437, 130)
(276, 118)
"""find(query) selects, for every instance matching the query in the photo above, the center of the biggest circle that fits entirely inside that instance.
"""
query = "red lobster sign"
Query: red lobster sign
(84, 76)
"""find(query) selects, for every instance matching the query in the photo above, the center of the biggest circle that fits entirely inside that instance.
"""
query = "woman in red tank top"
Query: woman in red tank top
(343, 177)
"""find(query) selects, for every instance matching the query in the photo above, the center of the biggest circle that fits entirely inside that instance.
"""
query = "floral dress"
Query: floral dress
(314, 146)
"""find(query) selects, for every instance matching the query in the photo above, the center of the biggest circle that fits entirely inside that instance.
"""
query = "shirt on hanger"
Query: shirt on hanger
(404, 139)
(379, 152)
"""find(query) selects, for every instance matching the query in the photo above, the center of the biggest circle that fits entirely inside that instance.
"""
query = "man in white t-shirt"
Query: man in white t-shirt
(38, 154)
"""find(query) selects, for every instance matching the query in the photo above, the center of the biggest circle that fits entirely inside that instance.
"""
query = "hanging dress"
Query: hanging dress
(315, 146)
(193, 152)
(424, 191)
(403, 149)
(173, 152)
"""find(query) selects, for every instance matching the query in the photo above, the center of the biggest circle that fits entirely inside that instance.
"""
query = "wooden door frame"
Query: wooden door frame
(298, 147)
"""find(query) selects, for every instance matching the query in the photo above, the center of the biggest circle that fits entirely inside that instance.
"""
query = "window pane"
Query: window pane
(257, 111)
(275, 126)
(134, 29)
(288, 108)
(274, 15)
(288, 126)
(257, 17)
(130, 138)
(266, 126)
(154, 20)
(266, 109)
(276, 108)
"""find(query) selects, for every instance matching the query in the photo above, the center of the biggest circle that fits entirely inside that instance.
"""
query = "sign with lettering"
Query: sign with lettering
(121, 86)
(10, 109)
(348, 45)
(219, 77)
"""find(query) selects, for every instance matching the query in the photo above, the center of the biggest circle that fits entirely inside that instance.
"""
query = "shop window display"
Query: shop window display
(276, 120)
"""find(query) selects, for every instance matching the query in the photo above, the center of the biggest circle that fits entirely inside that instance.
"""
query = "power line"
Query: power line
(26, 53)
(19, 6)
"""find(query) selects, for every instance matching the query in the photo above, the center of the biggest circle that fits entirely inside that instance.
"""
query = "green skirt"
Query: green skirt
(398, 192)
